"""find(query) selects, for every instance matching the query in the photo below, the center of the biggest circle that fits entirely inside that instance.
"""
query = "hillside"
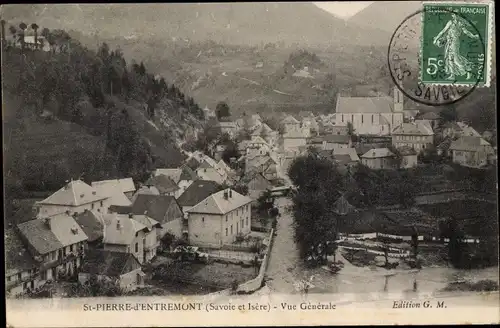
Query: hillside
(230, 23)
(73, 113)
(393, 13)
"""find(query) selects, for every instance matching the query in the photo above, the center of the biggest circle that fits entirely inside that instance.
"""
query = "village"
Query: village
(209, 225)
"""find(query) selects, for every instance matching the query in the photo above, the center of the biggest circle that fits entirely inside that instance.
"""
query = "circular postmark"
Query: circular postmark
(407, 54)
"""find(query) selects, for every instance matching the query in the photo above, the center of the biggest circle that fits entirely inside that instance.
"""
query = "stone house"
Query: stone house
(164, 184)
(219, 218)
(163, 209)
(120, 268)
(76, 196)
(378, 159)
(418, 136)
(57, 244)
(21, 270)
(471, 151)
(124, 233)
(183, 177)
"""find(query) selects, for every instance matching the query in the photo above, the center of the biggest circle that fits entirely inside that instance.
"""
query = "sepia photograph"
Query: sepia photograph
(250, 163)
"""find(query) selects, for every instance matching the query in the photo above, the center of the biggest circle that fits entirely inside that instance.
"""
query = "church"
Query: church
(371, 115)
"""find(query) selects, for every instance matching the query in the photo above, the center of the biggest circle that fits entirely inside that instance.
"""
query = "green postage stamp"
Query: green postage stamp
(456, 43)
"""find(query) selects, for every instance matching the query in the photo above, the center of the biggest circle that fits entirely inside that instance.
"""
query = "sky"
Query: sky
(343, 9)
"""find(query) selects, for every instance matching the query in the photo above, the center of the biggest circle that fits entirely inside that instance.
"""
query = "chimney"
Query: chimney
(230, 193)
(398, 100)
(130, 215)
(225, 195)
(47, 222)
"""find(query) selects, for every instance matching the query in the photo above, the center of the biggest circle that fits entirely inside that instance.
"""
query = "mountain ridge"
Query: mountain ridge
(249, 23)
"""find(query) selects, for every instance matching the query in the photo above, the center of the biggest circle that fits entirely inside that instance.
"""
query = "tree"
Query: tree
(448, 114)
(231, 151)
(35, 28)
(350, 129)
(167, 240)
(23, 27)
(315, 219)
(222, 110)
(13, 31)
(3, 31)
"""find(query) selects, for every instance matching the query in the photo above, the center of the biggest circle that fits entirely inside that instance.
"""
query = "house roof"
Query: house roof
(145, 190)
(337, 138)
(74, 193)
(91, 223)
(17, 257)
(113, 190)
(294, 134)
(351, 152)
(378, 153)
(120, 229)
(154, 206)
(290, 120)
(429, 116)
(364, 105)
(146, 220)
(198, 191)
(342, 206)
(363, 148)
(255, 178)
(109, 263)
(63, 231)
(163, 183)
(417, 128)
(342, 159)
(258, 140)
(468, 143)
(67, 230)
(218, 204)
(174, 174)
(227, 125)
(125, 185)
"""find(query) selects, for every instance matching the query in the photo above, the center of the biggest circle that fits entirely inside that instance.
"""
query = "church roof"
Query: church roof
(364, 105)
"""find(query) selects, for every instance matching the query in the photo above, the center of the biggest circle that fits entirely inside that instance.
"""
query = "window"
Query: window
(203, 220)
(93, 205)
(43, 275)
(19, 276)
(101, 204)
(71, 248)
(352, 118)
(8, 278)
(247, 220)
(423, 146)
(237, 227)
(226, 232)
(226, 218)
(231, 229)
(136, 247)
(342, 118)
(362, 118)
(242, 223)
(372, 118)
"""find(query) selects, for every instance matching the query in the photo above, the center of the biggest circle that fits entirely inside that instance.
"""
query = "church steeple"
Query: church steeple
(398, 100)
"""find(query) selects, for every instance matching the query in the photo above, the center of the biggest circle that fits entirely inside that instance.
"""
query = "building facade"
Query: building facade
(219, 218)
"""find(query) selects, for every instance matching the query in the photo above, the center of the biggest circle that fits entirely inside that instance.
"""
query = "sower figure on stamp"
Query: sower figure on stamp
(454, 63)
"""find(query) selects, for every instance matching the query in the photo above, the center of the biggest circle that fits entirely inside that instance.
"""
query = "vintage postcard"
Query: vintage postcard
(250, 163)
